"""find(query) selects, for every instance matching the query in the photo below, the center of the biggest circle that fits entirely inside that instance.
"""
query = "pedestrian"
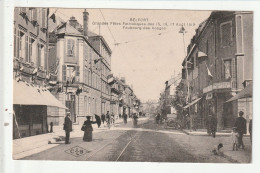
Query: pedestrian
(98, 120)
(234, 136)
(240, 124)
(112, 118)
(103, 118)
(67, 126)
(250, 130)
(125, 118)
(157, 118)
(88, 129)
(212, 125)
(135, 119)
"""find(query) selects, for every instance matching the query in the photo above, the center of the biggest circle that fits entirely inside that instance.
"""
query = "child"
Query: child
(216, 150)
(235, 136)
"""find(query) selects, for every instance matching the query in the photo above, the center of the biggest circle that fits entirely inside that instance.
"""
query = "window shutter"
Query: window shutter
(26, 49)
(73, 47)
(77, 73)
(68, 47)
(43, 18)
(34, 14)
(64, 73)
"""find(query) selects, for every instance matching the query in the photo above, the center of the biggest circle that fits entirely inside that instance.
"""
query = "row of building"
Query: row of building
(68, 61)
(218, 65)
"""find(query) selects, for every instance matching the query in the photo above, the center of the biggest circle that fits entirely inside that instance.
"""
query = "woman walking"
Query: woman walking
(88, 129)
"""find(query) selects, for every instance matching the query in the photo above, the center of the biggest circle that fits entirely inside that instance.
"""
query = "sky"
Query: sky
(147, 58)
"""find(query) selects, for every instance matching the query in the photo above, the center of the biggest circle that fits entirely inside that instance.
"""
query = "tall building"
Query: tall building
(31, 98)
(219, 61)
(82, 64)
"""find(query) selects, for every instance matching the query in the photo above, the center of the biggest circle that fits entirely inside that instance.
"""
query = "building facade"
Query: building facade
(219, 61)
(83, 65)
(32, 99)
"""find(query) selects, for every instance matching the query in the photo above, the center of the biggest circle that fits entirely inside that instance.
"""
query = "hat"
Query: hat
(68, 113)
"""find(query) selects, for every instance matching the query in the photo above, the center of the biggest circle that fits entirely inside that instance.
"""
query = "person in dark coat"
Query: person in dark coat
(88, 129)
(250, 130)
(103, 118)
(98, 120)
(67, 127)
(125, 118)
(212, 125)
(240, 124)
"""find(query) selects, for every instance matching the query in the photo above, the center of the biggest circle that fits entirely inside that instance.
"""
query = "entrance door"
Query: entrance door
(71, 105)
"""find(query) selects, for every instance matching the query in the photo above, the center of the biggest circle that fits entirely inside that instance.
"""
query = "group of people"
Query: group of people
(87, 125)
(238, 130)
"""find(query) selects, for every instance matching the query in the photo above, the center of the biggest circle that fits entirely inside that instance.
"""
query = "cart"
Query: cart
(171, 122)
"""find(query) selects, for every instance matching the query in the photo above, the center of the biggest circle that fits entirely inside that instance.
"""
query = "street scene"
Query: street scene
(132, 85)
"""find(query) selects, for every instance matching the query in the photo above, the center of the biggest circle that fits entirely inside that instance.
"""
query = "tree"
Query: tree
(179, 99)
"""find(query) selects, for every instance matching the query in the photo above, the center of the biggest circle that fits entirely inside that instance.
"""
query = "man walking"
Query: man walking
(240, 124)
(67, 127)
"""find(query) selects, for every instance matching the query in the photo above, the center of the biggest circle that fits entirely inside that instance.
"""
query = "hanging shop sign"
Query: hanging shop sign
(209, 96)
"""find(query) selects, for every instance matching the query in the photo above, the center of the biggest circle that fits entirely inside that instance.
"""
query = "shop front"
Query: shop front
(30, 104)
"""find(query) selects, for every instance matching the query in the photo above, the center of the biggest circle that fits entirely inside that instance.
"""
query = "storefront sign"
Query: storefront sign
(216, 86)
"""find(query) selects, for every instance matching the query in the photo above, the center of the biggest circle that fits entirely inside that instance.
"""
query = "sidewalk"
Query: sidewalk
(224, 137)
(34, 144)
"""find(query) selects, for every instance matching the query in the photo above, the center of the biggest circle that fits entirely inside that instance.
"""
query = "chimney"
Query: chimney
(123, 79)
(73, 22)
(85, 23)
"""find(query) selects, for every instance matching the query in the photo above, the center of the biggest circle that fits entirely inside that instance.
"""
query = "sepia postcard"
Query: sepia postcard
(132, 85)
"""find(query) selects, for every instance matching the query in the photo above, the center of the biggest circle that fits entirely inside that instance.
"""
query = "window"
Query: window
(227, 69)
(226, 34)
(31, 50)
(70, 72)
(21, 44)
(70, 47)
(41, 54)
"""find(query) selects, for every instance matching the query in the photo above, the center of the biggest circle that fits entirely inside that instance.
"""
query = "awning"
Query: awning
(28, 94)
(247, 92)
(192, 103)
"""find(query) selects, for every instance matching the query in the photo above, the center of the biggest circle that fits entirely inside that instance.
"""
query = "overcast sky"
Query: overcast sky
(149, 58)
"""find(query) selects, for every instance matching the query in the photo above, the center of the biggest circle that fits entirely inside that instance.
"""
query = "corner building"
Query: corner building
(82, 66)
(220, 64)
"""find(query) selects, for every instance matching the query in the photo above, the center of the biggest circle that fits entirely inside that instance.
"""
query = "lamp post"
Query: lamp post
(183, 31)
